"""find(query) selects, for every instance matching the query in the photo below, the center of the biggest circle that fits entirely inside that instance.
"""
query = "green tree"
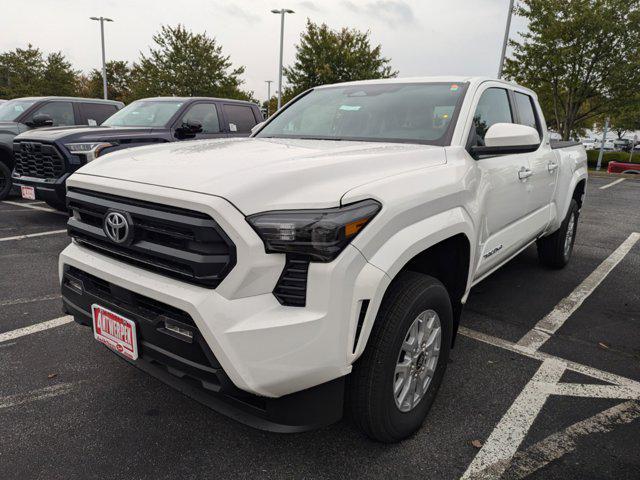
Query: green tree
(582, 57)
(186, 64)
(118, 82)
(26, 72)
(330, 56)
(626, 118)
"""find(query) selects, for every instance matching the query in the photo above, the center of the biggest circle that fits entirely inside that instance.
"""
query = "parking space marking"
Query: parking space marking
(495, 456)
(34, 395)
(560, 443)
(18, 301)
(31, 235)
(615, 182)
(35, 207)
(38, 327)
(550, 324)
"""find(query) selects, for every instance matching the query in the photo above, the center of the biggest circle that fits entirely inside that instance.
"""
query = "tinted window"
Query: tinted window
(12, 109)
(96, 113)
(524, 104)
(384, 112)
(60, 112)
(144, 114)
(493, 108)
(206, 115)
(240, 118)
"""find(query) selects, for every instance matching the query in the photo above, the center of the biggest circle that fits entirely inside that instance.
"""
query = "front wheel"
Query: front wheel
(555, 250)
(394, 383)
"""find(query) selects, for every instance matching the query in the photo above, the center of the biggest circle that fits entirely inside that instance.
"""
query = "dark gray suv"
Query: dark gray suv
(22, 114)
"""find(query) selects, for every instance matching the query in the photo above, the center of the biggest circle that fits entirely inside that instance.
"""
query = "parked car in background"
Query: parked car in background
(590, 144)
(622, 145)
(29, 113)
(340, 240)
(46, 158)
(623, 167)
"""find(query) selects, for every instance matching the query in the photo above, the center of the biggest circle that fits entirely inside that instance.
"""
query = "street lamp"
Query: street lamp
(282, 13)
(506, 39)
(268, 82)
(104, 65)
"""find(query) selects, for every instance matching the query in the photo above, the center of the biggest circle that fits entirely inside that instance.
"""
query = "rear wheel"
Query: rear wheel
(5, 181)
(555, 250)
(396, 380)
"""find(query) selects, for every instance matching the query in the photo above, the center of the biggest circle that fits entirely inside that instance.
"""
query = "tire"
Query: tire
(5, 181)
(371, 394)
(553, 250)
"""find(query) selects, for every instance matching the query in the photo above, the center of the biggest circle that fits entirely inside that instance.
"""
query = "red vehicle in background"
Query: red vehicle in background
(621, 167)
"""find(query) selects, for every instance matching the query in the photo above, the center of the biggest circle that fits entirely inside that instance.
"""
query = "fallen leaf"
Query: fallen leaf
(476, 443)
(603, 345)
(52, 375)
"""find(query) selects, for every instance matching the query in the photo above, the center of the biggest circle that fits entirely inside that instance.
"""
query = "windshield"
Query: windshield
(409, 113)
(12, 109)
(144, 114)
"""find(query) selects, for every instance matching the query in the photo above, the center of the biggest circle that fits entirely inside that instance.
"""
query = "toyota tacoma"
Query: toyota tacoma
(323, 263)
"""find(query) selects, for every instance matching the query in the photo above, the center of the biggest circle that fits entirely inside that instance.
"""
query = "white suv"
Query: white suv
(332, 250)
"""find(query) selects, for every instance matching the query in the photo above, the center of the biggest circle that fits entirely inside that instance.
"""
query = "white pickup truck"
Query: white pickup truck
(327, 257)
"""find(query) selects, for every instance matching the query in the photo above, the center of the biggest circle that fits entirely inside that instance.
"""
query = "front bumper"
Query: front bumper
(53, 191)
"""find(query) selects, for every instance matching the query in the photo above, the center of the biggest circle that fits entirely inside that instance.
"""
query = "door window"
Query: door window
(492, 108)
(204, 113)
(240, 118)
(526, 112)
(60, 112)
(96, 113)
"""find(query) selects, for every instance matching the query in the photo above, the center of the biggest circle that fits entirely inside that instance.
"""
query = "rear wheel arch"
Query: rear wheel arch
(579, 191)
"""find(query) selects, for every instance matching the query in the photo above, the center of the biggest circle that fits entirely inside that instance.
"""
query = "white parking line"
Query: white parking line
(35, 207)
(31, 235)
(18, 301)
(38, 327)
(559, 444)
(615, 182)
(550, 324)
(34, 395)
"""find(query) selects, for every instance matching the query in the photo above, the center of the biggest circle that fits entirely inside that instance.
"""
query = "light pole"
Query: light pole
(506, 39)
(104, 64)
(282, 13)
(604, 139)
(268, 82)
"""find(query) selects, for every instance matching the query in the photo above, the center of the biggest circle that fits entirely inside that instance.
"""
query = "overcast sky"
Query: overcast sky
(421, 37)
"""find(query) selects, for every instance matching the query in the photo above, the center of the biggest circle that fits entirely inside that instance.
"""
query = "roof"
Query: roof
(188, 99)
(433, 79)
(72, 99)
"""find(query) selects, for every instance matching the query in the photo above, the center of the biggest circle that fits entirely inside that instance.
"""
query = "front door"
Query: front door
(206, 114)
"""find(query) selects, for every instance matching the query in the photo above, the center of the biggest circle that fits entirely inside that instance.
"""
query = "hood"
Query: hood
(83, 133)
(258, 174)
(11, 128)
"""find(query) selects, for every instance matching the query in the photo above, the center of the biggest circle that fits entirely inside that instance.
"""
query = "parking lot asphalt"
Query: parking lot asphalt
(564, 407)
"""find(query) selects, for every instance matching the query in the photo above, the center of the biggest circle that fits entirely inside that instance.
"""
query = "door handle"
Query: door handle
(552, 166)
(524, 173)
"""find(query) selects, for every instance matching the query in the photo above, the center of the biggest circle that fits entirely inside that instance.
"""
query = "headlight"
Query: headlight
(91, 150)
(318, 234)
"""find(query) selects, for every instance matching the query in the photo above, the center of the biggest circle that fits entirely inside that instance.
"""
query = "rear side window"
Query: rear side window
(526, 112)
(493, 108)
(206, 114)
(60, 112)
(96, 113)
(240, 118)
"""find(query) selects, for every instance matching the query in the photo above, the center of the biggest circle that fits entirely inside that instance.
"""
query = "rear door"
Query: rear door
(206, 113)
(95, 113)
(239, 119)
(503, 196)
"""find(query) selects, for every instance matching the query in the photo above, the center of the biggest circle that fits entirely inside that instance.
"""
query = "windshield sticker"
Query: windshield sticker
(350, 108)
(454, 87)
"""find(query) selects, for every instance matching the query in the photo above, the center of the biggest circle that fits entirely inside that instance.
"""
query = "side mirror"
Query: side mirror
(508, 138)
(256, 127)
(190, 127)
(41, 120)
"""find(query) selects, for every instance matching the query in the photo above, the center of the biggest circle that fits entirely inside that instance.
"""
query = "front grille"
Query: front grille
(38, 160)
(291, 289)
(181, 243)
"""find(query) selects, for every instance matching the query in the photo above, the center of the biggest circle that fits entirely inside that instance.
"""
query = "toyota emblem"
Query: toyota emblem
(117, 227)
